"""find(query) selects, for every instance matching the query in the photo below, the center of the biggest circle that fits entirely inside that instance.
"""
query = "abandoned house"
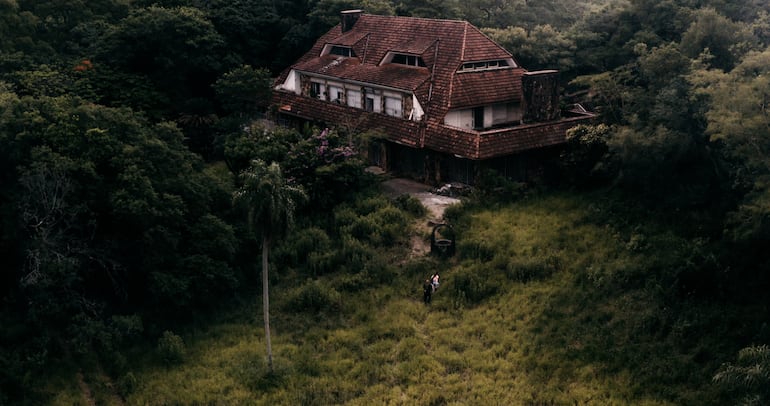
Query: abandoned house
(445, 98)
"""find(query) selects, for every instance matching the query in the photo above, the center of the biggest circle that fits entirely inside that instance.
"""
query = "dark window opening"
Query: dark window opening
(500, 63)
(369, 104)
(315, 90)
(411, 60)
(341, 51)
(478, 118)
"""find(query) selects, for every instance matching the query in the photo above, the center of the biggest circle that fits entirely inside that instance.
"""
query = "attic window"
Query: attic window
(484, 65)
(404, 59)
(341, 51)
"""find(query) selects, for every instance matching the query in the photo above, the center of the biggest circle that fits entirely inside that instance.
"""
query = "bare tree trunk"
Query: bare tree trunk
(266, 300)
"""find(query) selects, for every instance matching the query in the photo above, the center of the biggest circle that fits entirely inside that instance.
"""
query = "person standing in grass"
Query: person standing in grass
(427, 291)
(434, 281)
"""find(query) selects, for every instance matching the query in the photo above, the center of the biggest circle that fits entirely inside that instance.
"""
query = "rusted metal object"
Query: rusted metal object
(442, 240)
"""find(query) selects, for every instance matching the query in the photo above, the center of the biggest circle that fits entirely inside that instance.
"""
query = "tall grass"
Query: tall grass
(546, 303)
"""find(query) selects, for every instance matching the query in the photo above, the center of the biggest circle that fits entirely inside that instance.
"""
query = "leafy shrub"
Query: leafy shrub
(314, 297)
(306, 362)
(321, 263)
(395, 327)
(344, 215)
(364, 229)
(371, 204)
(171, 348)
(475, 248)
(470, 286)
(411, 205)
(581, 161)
(115, 363)
(252, 371)
(409, 349)
(302, 243)
(379, 270)
(353, 282)
(325, 391)
(127, 384)
(355, 254)
(453, 212)
(393, 221)
(532, 268)
(490, 184)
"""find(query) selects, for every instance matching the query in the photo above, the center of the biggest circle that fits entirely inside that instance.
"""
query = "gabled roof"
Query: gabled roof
(391, 75)
(444, 45)
(485, 87)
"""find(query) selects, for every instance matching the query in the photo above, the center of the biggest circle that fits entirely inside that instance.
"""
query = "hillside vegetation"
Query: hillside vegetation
(137, 155)
(546, 302)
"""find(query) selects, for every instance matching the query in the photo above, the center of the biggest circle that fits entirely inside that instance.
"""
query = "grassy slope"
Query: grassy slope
(557, 311)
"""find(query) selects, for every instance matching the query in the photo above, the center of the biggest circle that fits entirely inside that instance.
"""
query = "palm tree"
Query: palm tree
(750, 376)
(271, 201)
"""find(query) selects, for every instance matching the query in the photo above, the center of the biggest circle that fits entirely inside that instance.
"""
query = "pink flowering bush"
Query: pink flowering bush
(327, 167)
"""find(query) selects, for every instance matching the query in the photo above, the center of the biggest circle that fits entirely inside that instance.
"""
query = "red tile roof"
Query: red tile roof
(486, 87)
(443, 45)
(397, 76)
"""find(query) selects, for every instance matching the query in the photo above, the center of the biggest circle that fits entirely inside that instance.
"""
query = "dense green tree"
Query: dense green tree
(253, 28)
(178, 50)
(738, 124)
(244, 91)
(270, 201)
(67, 26)
(102, 212)
(543, 47)
(726, 41)
(18, 39)
(429, 9)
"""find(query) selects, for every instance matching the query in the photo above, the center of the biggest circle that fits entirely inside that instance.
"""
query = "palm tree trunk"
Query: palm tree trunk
(266, 301)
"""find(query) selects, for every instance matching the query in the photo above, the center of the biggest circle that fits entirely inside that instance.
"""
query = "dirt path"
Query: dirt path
(85, 390)
(435, 204)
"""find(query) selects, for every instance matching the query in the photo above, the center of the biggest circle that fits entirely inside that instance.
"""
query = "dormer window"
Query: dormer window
(339, 50)
(486, 65)
(404, 59)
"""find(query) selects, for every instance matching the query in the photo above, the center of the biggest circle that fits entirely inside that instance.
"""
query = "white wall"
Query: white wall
(509, 113)
(417, 111)
(291, 83)
(460, 119)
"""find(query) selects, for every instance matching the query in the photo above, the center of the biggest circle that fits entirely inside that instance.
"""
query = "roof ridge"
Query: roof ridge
(416, 18)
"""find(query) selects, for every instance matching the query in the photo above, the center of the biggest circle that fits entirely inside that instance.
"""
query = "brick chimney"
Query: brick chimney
(540, 90)
(349, 18)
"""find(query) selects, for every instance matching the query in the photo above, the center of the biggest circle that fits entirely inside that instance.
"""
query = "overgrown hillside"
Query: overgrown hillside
(126, 128)
(548, 301)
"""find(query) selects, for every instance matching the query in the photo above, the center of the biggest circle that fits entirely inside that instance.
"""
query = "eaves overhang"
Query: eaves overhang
(353, 81)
